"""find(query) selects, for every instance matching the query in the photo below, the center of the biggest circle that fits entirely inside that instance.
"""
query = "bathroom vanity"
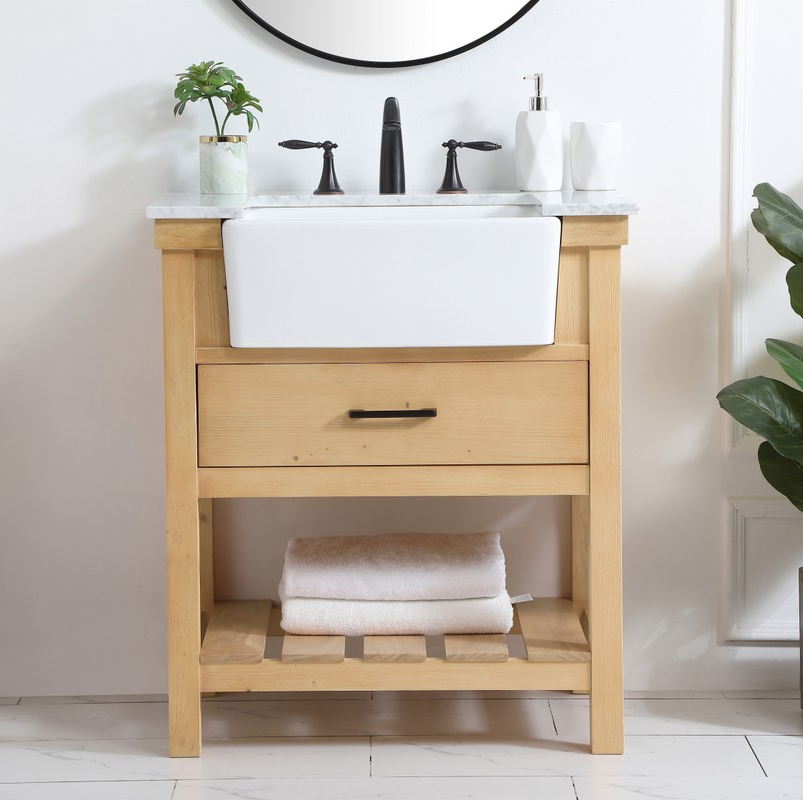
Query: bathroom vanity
(511, 420)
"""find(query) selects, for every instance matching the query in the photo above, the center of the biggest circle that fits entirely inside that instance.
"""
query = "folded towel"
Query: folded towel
(395, 566)
(313, 616)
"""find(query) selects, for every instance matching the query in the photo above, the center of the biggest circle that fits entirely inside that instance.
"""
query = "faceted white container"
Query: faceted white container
(223, 164)
(420, 276)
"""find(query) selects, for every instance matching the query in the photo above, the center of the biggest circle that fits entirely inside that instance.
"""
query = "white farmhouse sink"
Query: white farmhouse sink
(402, 276)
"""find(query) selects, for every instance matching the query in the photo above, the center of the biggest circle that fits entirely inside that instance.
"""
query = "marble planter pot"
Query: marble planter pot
(224, 164)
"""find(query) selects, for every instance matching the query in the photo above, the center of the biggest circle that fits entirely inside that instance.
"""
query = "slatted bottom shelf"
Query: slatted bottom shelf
(244, 649)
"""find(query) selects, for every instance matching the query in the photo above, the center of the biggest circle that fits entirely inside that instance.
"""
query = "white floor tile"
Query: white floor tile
(715, 788)
(120, 790)
(146, 760)
(689, 717)
(764, 694)
(95, 698)
(29, 722)
(781, 756)
(384, 788)
(645, 755)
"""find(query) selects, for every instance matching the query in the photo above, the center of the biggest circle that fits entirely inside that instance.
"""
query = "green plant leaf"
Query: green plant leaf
(780, 220)
(794, 282)
(782, 473)
(771, 409)
(789, 356)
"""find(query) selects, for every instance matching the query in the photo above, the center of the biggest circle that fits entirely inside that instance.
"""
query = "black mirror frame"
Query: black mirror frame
(355, 62)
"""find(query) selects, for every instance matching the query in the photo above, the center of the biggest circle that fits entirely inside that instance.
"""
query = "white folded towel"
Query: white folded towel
(395, 566)
(312, 616)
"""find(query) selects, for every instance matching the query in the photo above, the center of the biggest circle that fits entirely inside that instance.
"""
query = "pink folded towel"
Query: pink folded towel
(395, 566)
(315, 617)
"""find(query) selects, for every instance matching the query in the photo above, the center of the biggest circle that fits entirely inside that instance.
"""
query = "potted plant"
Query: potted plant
(223, 158)
(771, 408)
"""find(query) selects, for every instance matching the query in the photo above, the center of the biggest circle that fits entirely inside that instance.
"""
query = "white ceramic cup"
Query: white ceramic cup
(596, 155)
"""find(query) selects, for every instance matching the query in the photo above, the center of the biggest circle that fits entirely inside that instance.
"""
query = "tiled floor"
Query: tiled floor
(691, 746)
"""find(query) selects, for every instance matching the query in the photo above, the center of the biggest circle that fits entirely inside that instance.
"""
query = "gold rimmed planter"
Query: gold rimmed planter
(224, 164)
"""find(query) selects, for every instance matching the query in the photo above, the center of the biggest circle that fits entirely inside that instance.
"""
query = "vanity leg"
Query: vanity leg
(604, 510)
(183, 520)
(207, 556)
(580, 511)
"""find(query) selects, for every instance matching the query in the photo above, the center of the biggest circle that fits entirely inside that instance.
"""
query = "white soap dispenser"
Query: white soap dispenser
(539, 144)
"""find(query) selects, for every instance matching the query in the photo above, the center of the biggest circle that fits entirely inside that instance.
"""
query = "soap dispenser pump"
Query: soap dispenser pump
(539, 144)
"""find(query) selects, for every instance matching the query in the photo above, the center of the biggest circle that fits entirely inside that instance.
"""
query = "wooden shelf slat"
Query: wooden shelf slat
(487, 648)
(236, 632)
(551, 630)
(313, 649)
(401, 649)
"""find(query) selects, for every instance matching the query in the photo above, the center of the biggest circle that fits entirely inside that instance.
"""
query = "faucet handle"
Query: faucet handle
(328, 183)
(484, 146)
(451, 179)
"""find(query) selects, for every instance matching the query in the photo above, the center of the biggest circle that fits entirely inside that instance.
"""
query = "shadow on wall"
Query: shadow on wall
(676, 518)
(82, 405)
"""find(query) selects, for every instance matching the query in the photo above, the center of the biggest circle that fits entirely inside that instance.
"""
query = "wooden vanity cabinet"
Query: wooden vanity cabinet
(511, 421)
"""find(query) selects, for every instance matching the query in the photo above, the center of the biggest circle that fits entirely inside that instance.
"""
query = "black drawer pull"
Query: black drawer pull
(401, 413)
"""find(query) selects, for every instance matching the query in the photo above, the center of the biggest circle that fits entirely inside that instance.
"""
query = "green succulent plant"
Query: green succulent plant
(211, 80)
(771, 408)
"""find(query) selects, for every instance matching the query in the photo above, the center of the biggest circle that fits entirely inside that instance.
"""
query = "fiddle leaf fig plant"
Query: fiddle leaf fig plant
(771, 408)
(211, 80)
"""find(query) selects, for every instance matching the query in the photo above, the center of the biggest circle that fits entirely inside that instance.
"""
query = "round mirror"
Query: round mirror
(381, 33)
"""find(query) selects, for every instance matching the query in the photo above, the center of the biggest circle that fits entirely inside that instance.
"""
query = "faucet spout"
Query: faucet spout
(391, 156)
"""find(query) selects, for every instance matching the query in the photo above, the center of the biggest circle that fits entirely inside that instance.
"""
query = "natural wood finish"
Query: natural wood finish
(488, 413)
(594, 231)
(211, 309)
(571, 321)
(476, 648)
(605, 513)
(207, 560)
(587, 339)
(188, 234)
(551, 630)
(401, 649)
(237, 355)
(441, 481)
(580, 519)
(313, 649)
(356, 675)
(236, 633)
(183, 526)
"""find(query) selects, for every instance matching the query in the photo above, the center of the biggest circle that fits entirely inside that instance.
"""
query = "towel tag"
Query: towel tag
(521, 598)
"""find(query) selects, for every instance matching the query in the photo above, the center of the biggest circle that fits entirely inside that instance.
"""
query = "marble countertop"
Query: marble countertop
(546, 204)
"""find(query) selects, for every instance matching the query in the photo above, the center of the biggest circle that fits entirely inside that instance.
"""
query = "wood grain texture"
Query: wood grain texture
(476, 648)
(236, 632)
(487, 413)
(183, 527)
(551, 630)
(594, 231)
(605, 512)
(313, 649)
(211, 302)
(188, 234)
(401, 649)
(401, 355)
(357, 675)
(571, 321)
(441, 481)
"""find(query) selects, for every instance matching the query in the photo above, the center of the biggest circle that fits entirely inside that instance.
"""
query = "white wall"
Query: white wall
(90, 140)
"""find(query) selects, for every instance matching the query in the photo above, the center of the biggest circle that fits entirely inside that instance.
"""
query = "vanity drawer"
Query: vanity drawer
(475, 413)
